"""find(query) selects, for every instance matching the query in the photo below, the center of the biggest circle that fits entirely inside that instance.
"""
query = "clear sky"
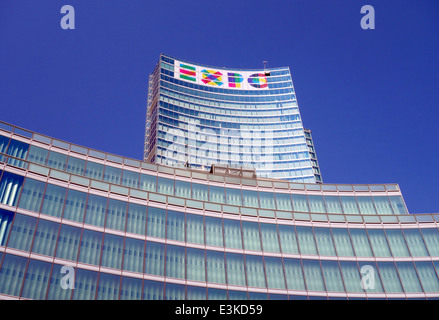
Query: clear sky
(370, 97)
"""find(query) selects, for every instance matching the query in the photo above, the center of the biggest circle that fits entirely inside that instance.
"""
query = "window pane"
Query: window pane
(270, 240)
(427, 275)
(250, 232)
(155, 258)
(332, 276)
(342, 242)
(255, 271)
(333, 204)
(366, 205)
(313, 275)
(316, 204)
(96, 208)
(214, 232)
(156, 222)
(57, 160)
(148, 183)
(275, 273)
(300, 204)
(307, 244)
(234, 196)
(349, 205)
(136, 219)
(267, 200)
(131, 289)
(175, 225)
(133, 255)
(32, 195)
(182, 189)
(75, 206)
(45, 237)
(216, 271)
(216, 194)
(379, 243)
(398, 204)
(389, 276)
(22, 232)
(288, 240)
(431, 238)
(360, 242)
(130, 179)
(232, 233)
(415, 243)
(397, 243)
(408, 276)
(195, 268)
(36, 280)
(85, 285)
(12, 274)
(94, 170)
(91, 244)
(235, 269)
(108, 288)
(112, 174)
(325, 245)
(165, 186)
(283, 202)
(351, 276)
(382, 205)
(68, 243)
(199, 192)
(37, 155)
(250, 198)
(175, 261)
(76, 166)
(152, 290)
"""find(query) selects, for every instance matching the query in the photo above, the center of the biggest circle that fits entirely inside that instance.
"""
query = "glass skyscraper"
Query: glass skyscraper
(198, 116)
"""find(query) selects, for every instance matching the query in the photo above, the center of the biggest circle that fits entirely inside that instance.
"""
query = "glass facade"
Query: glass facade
(135, 230)
(199, 116)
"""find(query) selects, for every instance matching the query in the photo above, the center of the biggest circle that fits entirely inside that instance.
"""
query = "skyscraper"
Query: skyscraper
(198, 116)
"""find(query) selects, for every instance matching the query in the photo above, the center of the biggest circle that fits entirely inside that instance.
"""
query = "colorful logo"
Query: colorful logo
(235, 80)
(212, 77)
(187, 72)
(258, 80)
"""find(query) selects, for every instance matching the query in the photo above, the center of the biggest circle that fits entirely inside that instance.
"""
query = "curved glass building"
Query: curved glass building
(199, 116)
(77, 223)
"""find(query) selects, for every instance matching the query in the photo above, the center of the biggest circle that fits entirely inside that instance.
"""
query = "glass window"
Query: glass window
(232, 233)
(175, 292)
(32, 195)
(427, 275)
(156, 222)
(10, 187)
(165, 186)
(234, 196)
(56, 292)
(313, 275)
(216, 194)
(68, 243)
(274, 272)
(370, 278)
(360, 242)
(300, 203)
(250, 233)
(57, 160)
(255, 271)
(6, 218)
(333, 204)
(96, 208)
(155, 258)
(94, 170)
(382, 205)
(196, 293)
(22, 232)
(214, 232)
(12, 274)
(131, 289)
(37, 155)
(250, 198)
(235, 269)
(175, 225)
(53, 201)
(316, 204)
(130, 178)
(112, 174)
(397, 243)
(195, 267)
(133, 256)
(90, 249)
(408, 276)
(194, 228)
(366, 205)
(351, 276)
(325, 245)
(108, 287)
(75, 205)
(283, 201)
(398, 205)
(45, 237)
(85, 285)
(152, 290)
(270, 240)
(199, 192)
(148, 183)
(379, 243)
(306, 240)
(215, 266)
(17, 149)
(349, 205)
(389, 276)
(182, 189)
(332, 276)
(76, 166)
(175, 261)
(431, 238)
(216, 294)
(136, 218)
(288, 240)
(267, 200)
(415, 242)
(36, 280)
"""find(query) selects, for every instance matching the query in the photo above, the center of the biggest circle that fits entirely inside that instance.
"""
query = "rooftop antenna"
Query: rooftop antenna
(267, 73)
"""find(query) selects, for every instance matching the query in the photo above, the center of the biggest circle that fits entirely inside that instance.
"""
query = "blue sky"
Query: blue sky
(369, 96)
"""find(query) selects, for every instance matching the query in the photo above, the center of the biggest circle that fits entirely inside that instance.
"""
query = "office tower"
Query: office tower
(199, 116)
